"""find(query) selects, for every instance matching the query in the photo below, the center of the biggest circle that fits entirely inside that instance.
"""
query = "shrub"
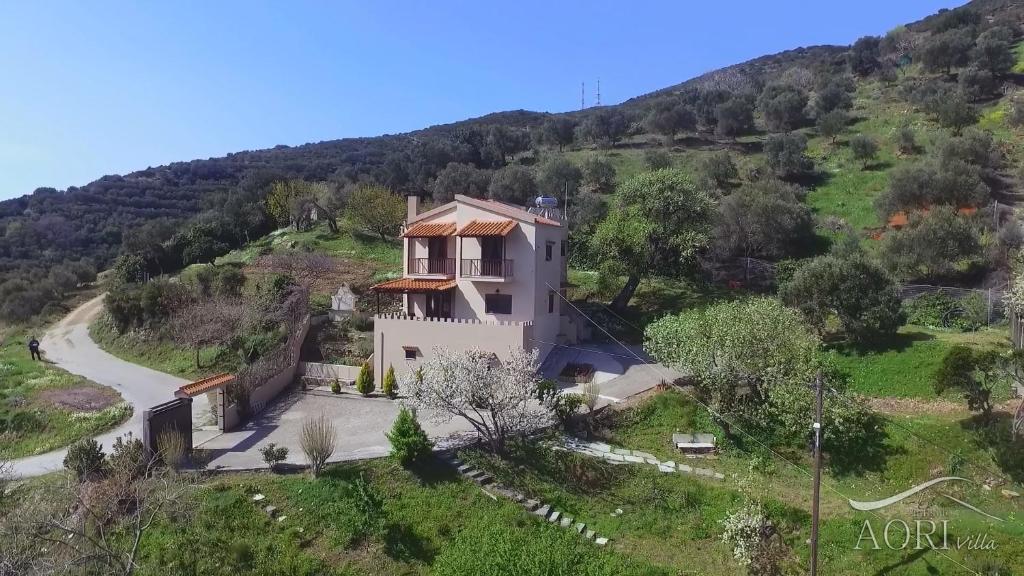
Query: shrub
(409, 443)
(565, 406)
(364, 381)
(716, 170)
(1016, 114)
(741, 530)
(937, 310)
(906, 140)
(171, 445)
(389, 385)
(274, 455)
(85, 459)
(656, 159)
(591, 394)
(317, 440)
(128, 456)
(335, 386)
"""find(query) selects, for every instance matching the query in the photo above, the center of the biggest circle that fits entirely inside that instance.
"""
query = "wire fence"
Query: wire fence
(756, 274)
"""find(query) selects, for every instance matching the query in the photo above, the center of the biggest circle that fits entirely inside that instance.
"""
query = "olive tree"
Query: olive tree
(668, 119)
(659, 221)
(860, 293)
(993, 51)
(782, 107)
(864, 148)
(558, 131)
(717, 170)
(515, 184)
(734, 117)
(736, 351)
(558, 177)
(785, 155)
(457, 178)
(377, 209)
(763, 219)
(932, 246)
(832, 124)
(598, 175)
(752, 361)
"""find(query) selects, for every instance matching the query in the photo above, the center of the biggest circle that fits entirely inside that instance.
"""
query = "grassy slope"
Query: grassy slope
(432, 523)
(671, 519)
(22, 381)
(358, 250)
(383, 256)
(906, 366)
(157, 354)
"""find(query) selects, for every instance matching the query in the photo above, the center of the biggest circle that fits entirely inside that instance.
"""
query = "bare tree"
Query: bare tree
(496, 398)
(207, 322)
(93, 527)
(318, 441)
(305, 267)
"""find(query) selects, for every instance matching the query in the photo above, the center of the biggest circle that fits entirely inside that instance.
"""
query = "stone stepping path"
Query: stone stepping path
(626, 456)
(535, 507)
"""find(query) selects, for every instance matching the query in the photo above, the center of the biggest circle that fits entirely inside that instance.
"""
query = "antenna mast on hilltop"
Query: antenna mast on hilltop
(598, 103)
(583, 92)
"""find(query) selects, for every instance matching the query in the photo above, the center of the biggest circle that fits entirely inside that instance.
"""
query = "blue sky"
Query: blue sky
(94, 88)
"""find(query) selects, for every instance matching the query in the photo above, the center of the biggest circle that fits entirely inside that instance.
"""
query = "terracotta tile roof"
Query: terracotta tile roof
(495, 206)
(414, 285)
(205, 385)
(430, 230)
(488, 228)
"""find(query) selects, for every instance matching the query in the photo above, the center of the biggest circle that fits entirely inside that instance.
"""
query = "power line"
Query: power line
(852, 402)
(733, 425)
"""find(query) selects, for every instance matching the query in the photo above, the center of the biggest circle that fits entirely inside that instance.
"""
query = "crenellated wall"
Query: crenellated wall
(393, 333)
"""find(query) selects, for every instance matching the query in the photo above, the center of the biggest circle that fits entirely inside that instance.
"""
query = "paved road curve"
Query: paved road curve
(68, 345)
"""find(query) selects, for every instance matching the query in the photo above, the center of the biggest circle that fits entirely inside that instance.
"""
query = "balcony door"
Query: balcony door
(492, 255)
(437, 255)
(439, 304)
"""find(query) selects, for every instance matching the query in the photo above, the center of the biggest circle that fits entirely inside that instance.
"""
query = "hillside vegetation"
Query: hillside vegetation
(190, 212)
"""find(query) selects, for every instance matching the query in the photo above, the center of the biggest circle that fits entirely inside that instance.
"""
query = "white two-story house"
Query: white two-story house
(477, 274)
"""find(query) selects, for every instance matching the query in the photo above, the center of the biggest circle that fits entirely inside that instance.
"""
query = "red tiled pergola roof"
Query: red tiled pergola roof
(430, 230)
(403, 285)
(205, 385)
(488, 228)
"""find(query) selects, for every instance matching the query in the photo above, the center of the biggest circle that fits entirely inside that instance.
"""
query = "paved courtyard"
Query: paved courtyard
(361, 424)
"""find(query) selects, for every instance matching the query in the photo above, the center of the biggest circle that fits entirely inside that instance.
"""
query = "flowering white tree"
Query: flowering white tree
(497, 398)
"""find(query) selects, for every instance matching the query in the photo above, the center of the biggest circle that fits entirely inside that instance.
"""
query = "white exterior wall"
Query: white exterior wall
(548, 278)
(392, 333)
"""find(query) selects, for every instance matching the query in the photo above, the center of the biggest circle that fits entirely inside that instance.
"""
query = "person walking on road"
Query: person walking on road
(33, 349)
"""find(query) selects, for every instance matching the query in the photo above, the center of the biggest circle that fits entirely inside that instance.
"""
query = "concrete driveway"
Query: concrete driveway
(68, 345)
(360, 423)
(619, 371)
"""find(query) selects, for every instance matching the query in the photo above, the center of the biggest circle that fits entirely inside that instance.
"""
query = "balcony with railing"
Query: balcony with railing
(490, 269)
(432, 266)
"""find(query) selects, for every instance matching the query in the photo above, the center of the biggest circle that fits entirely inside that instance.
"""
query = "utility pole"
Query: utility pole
(583, 95)
(598, 92)
(817, 474)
